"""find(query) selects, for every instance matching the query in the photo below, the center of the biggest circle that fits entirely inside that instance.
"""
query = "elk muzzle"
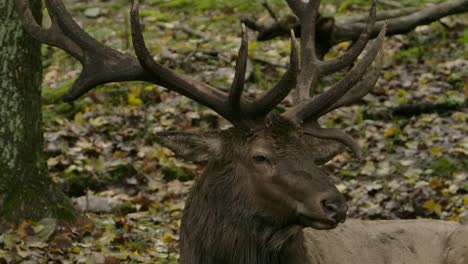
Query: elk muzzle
(322, 207)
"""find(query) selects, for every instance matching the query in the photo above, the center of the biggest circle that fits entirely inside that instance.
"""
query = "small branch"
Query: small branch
(389, 3)
(404, 24)
(410, 110)
(398, 21)
(266, 62)
(184, 28)
(272, 30)
(270, 11)
(381, 15)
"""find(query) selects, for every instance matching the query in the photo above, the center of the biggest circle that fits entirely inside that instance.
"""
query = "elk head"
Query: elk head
(275, 156)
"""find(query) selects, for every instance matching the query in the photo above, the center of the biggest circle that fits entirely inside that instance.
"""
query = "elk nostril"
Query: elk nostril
(331, 210)
(329, 207)
(335, 210)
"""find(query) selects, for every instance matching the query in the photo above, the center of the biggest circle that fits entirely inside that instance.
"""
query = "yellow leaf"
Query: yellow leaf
(79, 118)
(252, 49)
(161, 154)
(454, 218)
(344, 45)
(459, 117)
(132, 100)
(106, 238)
(435, 183)
(436, 151)
(24, 229)
(167, 238)
(390, 132)
(429, 62)
(465, 202)
(150, 88)
(432, 207)
(445, 192)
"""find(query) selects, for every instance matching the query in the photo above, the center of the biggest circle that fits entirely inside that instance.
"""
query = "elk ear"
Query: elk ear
(324, 149)
(196, 147)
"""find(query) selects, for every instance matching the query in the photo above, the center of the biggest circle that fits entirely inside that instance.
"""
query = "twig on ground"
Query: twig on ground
(184, 28)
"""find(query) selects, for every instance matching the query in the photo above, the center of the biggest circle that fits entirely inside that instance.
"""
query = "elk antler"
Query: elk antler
(102, 64)
(352, 87)
(234, 108)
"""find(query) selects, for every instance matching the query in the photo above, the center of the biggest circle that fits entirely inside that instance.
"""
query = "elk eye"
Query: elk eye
(260, 158)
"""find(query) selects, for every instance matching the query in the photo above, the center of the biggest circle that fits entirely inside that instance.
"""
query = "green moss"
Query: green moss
(452, 98)
(36, 202)
(176, 173)
(51, 96)
(348, 173)
(119, 171)
(158, 15)
(463, 39)
(443, 167)
(77, 183)
(125, 208)
(411, 55)
(139, 245)
(457, 78)
(50, 113)
(201, 5)
(171, 260)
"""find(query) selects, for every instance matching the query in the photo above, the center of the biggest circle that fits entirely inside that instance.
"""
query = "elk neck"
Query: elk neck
(220, 227)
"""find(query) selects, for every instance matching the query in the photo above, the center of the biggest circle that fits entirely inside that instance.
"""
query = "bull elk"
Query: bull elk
(263, 197)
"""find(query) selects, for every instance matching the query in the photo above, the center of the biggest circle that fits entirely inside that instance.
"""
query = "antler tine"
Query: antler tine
(51, 36)
(70, 28)
(101, 64)
(197, 91)
(335, 134)
(309, 74)
(237, 87)
(232, 106)
(331, 66)
(353, 95)
(297, 6)
(353, 86)
(311, 108)
(361, 89)
(274, 96)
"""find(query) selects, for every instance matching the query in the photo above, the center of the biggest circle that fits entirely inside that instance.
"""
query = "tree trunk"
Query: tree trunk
(26, 190)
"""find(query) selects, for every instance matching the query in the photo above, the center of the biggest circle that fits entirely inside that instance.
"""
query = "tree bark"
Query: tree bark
(26, 190)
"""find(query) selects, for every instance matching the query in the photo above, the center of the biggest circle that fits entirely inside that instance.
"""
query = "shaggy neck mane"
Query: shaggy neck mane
(220, 227)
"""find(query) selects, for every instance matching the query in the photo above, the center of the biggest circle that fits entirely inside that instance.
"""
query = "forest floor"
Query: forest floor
(131, 190)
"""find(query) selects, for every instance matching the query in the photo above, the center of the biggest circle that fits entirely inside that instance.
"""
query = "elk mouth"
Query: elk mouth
(317, 223)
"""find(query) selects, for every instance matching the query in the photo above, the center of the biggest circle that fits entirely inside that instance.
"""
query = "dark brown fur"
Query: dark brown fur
(226, 219)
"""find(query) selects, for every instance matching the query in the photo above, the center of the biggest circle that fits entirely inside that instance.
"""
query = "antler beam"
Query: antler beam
(351, 88)
(102, 64)
(312, 107)
(234, 107)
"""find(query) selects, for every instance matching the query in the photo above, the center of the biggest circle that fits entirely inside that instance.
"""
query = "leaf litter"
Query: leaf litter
(102, 149)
